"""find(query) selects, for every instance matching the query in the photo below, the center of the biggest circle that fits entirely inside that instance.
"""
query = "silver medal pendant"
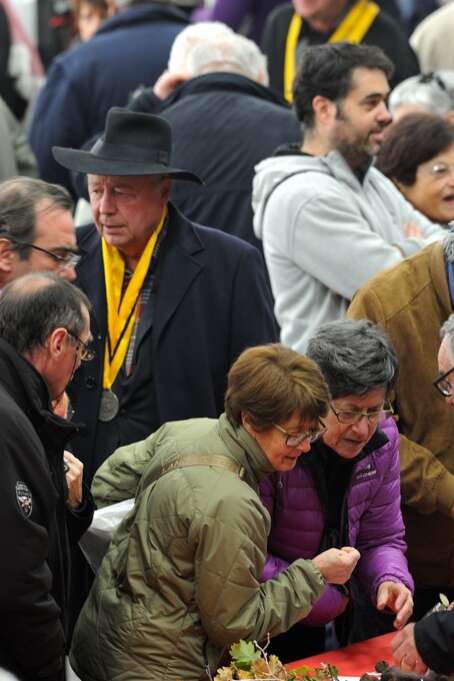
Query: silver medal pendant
(109, 406)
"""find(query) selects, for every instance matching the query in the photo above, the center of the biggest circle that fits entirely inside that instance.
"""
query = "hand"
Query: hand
(337, 565)
(397, 597)
(412, 229)
(60, 405)
(404, 650)
(167, 83)
(74, 470)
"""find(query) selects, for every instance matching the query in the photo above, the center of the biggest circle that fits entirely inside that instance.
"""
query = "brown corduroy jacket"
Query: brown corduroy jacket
(411, 301)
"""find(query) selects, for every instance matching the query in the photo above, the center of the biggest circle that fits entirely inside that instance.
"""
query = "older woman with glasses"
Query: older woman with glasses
(346, 491)
(418, 157)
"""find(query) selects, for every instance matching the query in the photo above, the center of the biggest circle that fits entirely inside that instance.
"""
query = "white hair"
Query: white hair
(212, 46)
(434, 93)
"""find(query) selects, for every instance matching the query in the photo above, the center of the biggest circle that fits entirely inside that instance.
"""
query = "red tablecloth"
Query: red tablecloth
(356, 659)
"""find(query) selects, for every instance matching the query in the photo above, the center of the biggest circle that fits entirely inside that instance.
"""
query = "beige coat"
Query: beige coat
(411, 301)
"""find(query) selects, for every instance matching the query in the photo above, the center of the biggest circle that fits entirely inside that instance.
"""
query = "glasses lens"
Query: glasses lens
(311, 435)
(86, 354)
(440, 170)
(69, 260)
(349, 417)
(444, 387)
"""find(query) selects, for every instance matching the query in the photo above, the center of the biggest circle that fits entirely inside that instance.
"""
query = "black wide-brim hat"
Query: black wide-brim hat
(132, 144)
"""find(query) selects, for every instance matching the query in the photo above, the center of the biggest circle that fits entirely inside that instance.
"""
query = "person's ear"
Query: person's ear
(247, 424)
(57, 342)
(324, 109)
(6, 258)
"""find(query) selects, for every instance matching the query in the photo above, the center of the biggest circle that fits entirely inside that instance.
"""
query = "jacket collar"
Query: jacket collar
(224, 82)
(245, 450)
(179, 264)
(142, 13)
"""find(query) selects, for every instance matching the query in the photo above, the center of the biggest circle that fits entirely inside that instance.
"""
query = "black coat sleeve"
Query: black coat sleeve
(252, 316)
(32, 639)
(434, 638)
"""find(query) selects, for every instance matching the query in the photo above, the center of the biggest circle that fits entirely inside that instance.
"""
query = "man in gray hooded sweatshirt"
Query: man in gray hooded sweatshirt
(328, 220)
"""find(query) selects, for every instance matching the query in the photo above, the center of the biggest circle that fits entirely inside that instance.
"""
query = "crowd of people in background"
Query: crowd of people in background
(226, 293)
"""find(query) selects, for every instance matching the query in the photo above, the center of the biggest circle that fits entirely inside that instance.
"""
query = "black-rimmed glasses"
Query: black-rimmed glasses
(350, 417)
(86, 353)
(443, 385)
(68, 259)
(294, 440)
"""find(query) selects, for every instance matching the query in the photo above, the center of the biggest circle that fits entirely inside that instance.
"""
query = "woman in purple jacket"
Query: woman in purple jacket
(346, 491)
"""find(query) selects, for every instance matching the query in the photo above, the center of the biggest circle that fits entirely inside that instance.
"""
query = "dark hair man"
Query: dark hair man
(44, 332)
(304, 23)
(327, 219)
(36, 229)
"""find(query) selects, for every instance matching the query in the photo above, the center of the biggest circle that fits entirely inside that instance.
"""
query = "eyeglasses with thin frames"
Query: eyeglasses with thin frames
(443, 385)
(86, 353)
(69, 259)
(440, 170)
(294, 440)
(350, 417)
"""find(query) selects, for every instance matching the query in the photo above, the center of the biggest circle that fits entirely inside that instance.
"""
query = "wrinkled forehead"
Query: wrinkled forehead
(123, 181)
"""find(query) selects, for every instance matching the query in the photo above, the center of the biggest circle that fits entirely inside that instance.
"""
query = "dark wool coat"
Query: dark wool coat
(223, 124)
(130, 49)
(211, 301)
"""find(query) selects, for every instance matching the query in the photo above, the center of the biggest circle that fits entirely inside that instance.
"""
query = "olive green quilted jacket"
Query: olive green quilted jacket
(181, 579)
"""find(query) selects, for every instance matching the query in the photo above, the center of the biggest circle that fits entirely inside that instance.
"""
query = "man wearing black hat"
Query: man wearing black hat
(174, 303)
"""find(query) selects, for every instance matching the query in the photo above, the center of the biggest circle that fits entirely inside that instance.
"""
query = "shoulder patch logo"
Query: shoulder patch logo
(24, 498)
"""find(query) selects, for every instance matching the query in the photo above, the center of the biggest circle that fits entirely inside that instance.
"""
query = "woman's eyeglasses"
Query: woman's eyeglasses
(350, 417)
(295, 439)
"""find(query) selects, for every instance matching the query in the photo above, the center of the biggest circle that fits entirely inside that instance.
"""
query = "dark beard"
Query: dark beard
(356, 156)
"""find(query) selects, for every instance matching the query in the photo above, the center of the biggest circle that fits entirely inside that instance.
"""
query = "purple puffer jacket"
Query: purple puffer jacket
(375, 525)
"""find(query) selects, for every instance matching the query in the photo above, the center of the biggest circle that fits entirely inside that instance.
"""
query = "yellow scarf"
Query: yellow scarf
(353, 28)
(122, 311)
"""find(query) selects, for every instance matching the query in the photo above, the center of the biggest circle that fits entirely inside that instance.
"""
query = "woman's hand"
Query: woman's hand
(337, 565)
(396, 597)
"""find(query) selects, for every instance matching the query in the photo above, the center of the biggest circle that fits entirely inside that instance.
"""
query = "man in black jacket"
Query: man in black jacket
(44, 333)
(292, 27)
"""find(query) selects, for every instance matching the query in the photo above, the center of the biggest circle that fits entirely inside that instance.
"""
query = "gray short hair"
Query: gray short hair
(433, 93)
(447, 331)
(212, 46)
(355, 356)
(19, 198)
(33, 306)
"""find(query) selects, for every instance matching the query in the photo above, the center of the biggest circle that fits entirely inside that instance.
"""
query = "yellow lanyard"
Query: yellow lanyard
(353, 28)
(122, 311)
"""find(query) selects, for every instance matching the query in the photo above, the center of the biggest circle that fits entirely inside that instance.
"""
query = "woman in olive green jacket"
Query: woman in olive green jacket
(181, 579)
